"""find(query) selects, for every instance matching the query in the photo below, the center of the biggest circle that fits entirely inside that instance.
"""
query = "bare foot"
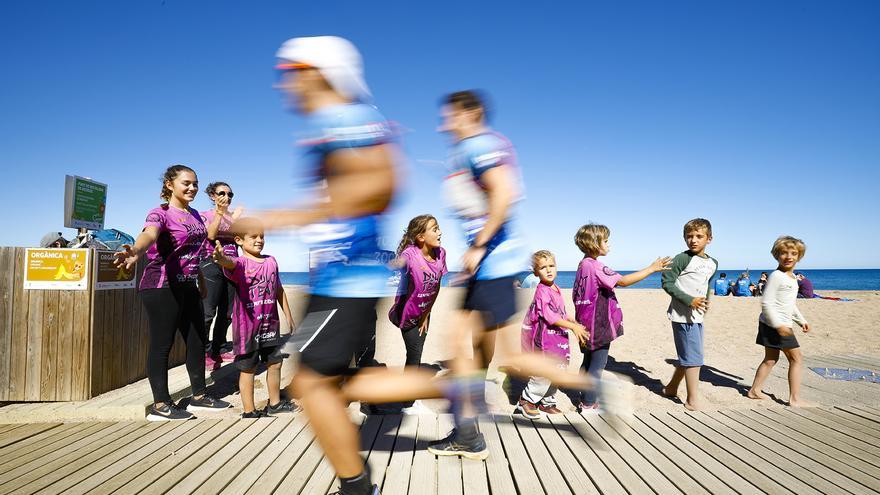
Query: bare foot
(692, 406)
(800, 403)
(756, 394)
(667, 392)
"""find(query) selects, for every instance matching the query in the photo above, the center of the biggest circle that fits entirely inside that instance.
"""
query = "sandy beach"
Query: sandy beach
(641, 359)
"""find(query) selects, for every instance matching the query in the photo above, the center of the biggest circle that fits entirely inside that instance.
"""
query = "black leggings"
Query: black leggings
(414, 344)
(178, 307)
(218, 302)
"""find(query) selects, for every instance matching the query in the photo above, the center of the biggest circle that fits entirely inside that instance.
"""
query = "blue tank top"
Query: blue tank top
(505, 252)
(721, 287)
(344, 255)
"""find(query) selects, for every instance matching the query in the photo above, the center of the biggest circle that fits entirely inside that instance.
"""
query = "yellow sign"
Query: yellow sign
(57, 269)
(108, 276)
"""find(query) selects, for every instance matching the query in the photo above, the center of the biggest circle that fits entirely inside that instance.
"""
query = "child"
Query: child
(778, 312)
(688, 283)
(722, 287)
(256, 332)
(596, 306)
(423, 263)
(545, 329)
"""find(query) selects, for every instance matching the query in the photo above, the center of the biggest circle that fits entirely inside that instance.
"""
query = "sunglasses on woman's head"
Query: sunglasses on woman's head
(224, 193)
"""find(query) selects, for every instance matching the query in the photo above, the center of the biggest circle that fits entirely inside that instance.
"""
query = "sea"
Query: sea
(830, 279)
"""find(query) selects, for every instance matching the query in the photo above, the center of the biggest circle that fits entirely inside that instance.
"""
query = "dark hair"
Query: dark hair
(170, 174)
(417, 226)
(212, 187)
(723, 275)
(470, 99)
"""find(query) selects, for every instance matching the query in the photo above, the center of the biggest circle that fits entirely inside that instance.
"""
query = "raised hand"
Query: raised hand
(237, 212)
(126, 258)
(662, 263)
(221, 204)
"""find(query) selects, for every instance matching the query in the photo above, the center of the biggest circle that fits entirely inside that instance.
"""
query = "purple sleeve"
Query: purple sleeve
(547, 308)
(155, 218)
(607, 277)
(443, 269)
(236, 274)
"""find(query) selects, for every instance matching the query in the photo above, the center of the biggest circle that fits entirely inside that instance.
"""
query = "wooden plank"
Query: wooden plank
(798, 460)
(64, 357)
(549, 474)
(651, 475)
(851, 446)
(474, 478)
(681, 438)
(6, 427)
(624, 474)
(678, 477)
(656, 446)
(299, 473)
(81, 347)
(272, 454)
(837, 362)
(826, 457)
(49, 354)
(48, 441)
(109, 353)
(7, 309)
(18, 359)
(202, 432)
(865, 412)
(853, 418)
(864, 362)
(34, 345)
(120, 329)
(47, 474)
(858, 412)
(398, 474)
(98, 324)
(839, 423)
(591, 464)
(771, 463)
(22, 472)
(577, 479)
(132, 336)
(380, 454)
(221, 468)
(100, 472)
(448, 467)
(166, 473)
(423, 475)
(292, 455)
(14, 437)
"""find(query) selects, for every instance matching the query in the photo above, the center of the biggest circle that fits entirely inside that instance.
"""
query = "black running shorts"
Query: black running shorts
(334, 330)
(494, 299)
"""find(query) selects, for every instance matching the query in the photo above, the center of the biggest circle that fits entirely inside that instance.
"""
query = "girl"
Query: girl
(171, 289)
(778, 313)
(423, 263)
(256, 332)
(596, 305)
(220, 290)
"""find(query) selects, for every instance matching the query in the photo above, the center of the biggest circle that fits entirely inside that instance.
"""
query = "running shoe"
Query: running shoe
(168, 412)
(529, 409)
(255, 414)
(589, 408)
(476, 450)
(213, 362)
(549, 408)
(207, 403)
(417, 409)
(374, 490)
(283, 407)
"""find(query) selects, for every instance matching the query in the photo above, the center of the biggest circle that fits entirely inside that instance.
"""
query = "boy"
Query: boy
(721, 285)
(688, 284)
(545, 329)
(256, 332)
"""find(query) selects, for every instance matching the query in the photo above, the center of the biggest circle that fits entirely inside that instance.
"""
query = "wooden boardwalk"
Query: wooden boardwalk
(771, 450)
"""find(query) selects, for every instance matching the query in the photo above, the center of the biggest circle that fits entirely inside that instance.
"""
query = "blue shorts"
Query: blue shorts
(688, 343)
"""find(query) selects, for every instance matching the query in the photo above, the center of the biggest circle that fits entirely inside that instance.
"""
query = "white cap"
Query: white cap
(336, 58)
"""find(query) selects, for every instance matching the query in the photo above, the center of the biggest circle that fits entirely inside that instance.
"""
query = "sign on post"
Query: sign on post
(85, 203)
(56, 269)
(108, 275)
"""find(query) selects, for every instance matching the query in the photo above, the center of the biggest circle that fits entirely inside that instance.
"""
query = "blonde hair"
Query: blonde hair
(589, 238)
(541, 255)
(417, 226)
(697, 224)
(786, 241)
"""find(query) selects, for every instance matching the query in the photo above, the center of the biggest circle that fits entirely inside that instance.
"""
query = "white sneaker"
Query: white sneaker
(417, 409)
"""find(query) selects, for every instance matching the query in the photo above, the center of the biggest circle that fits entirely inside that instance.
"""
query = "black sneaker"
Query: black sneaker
(255, 414)
(207, 403)
(476, 449)
(374, 490)
(168, 412)
(283, 407)
(446, 439)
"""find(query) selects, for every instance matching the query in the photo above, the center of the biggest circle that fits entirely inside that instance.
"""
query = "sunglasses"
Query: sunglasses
(224, 193)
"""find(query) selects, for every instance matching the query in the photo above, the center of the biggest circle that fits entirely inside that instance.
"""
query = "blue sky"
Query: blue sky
(762, 116)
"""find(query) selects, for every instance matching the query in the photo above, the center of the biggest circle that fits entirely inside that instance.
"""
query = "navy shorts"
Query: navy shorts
(495, 300)
(688, 343)
(334, 330)
(267, 355)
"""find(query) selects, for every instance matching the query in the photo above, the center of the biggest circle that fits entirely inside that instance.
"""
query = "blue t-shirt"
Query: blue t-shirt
(344, 255)
(505, 253)
(742, 287)
(722, 288)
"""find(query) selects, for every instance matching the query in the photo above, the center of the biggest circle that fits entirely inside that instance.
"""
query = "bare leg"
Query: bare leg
(336, 434)
(671, 389)
(764, 369)
(273, 377)
(388, 385)
(692, 383)
(795, 375)
(246, 389)
(528, 364)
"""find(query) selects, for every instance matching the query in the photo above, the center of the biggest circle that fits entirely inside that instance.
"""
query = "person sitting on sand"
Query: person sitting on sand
(742, 285)
(761, 283)
(778, 312)
(805, 287)
(722, 287)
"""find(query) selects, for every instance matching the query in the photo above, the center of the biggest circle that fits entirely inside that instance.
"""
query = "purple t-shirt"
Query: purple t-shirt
(175, 256)
(419, 286)
(538, 332)
(255, 323)
(595, 304)
(226, 239)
